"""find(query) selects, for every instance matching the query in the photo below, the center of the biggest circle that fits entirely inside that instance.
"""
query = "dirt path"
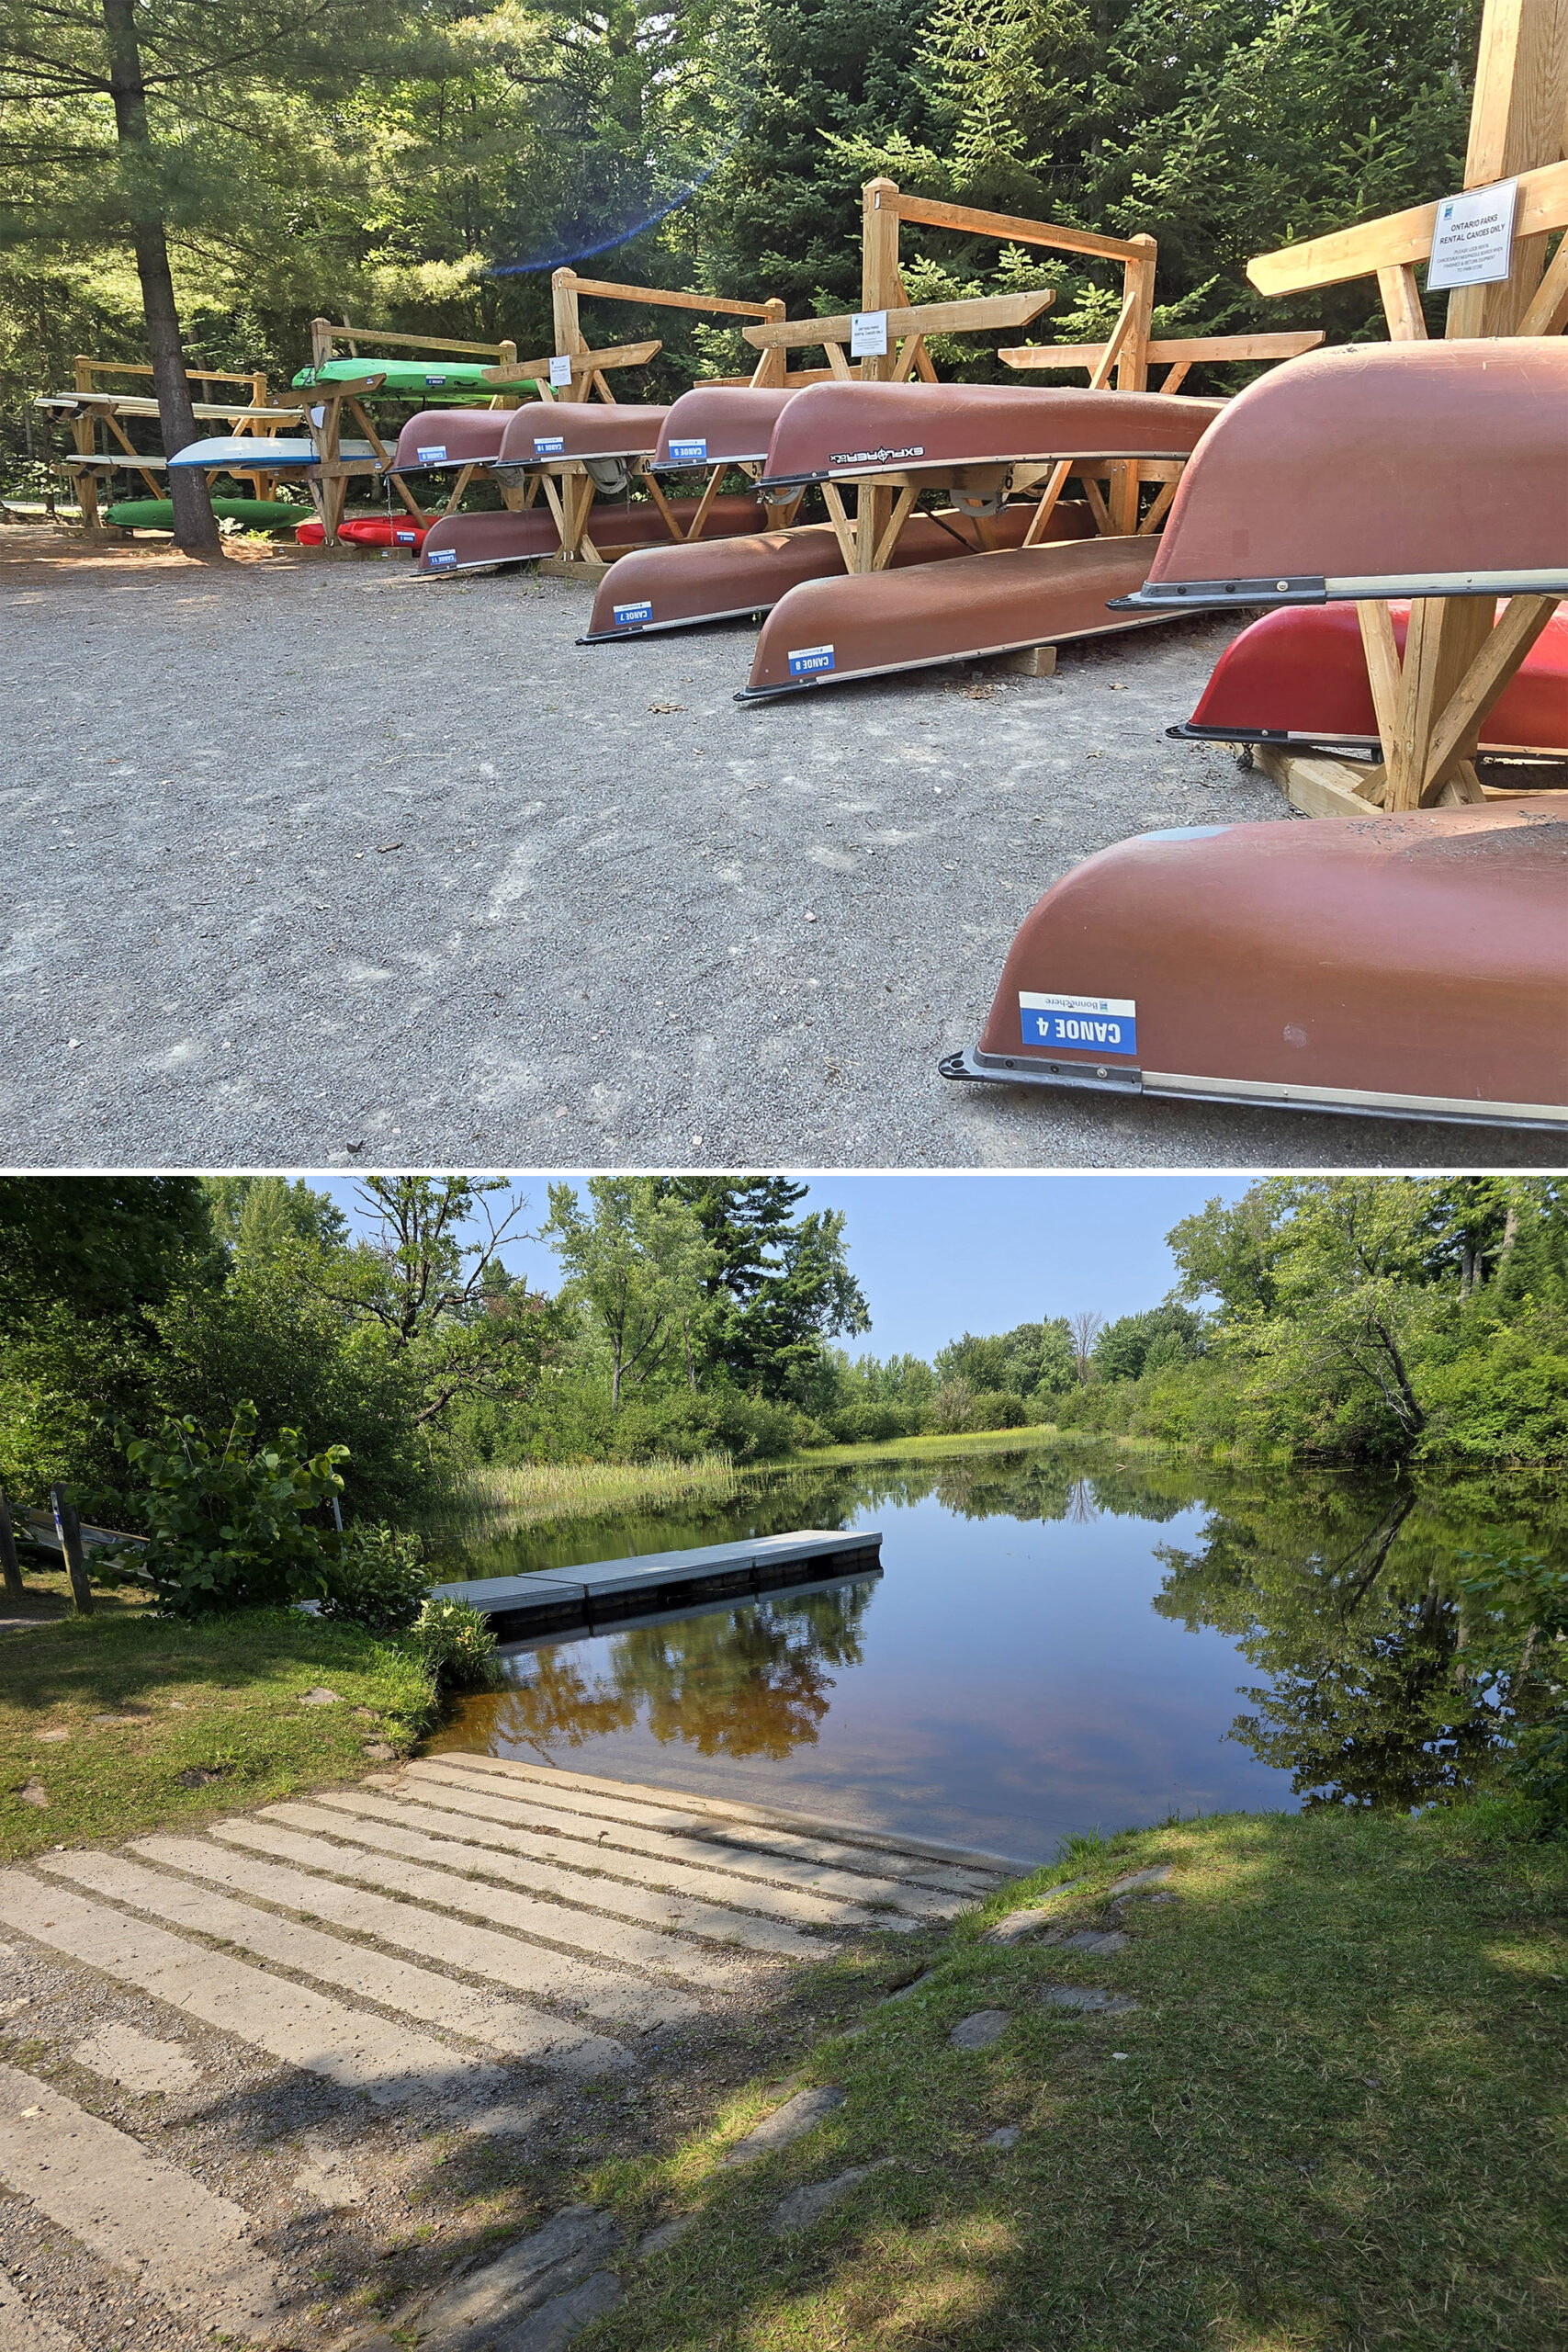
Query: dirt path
(315, 864)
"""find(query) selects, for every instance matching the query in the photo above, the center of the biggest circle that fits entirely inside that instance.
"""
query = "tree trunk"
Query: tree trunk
(196, 528)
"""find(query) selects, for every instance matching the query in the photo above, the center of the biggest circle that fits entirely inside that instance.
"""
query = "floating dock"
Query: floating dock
(609, 1592)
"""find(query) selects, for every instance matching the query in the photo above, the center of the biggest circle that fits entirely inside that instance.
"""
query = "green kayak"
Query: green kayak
(256, 513)
(404, 376)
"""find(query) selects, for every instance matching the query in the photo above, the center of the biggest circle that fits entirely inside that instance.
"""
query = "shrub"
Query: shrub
(226, 1518)
(872, 1424)
(378, 1580)
(455, 1640)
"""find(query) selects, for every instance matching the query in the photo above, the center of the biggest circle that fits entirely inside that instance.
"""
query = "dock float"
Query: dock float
(609, 1592)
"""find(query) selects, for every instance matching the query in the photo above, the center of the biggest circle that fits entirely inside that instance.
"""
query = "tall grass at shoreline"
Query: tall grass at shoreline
(524, 1494)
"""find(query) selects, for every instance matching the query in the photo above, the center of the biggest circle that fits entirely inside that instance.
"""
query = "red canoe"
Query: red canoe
(679, 587)
(720, 425)
(367, 531)
(1411, 965)
(476, 542)
(544, 433)
(1300, 676)
(1375, 471)
(441, 437)
(856, 431)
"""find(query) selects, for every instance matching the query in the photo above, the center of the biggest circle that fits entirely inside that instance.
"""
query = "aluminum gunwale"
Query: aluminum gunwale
(940, 661)
(1367, 588)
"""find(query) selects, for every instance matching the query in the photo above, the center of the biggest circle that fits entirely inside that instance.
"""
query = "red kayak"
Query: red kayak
(1300, 676)
(367, 531)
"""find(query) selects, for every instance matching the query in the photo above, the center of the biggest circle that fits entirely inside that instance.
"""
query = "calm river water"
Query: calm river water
(1052, 1646)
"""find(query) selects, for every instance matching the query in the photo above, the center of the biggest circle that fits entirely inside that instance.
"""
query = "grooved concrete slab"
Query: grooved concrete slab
(1155, 1876)
(505, 2026)
(1095, 1939)
(481, 2305)
(1019, 1924)
(135, 2061)
(602, 1876)
(787, 2123)
(186, 2247)
(391, 2065)
(833, 1886)
(1083, 1998)
(803, 2206)
(981, 2031)
(573, 1983)
(275, 1831)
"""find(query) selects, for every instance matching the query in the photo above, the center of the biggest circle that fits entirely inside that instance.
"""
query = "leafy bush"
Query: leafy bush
(872, 1424)
(455, 1640)
(1516, 1617)
(378, 1580)
(227, 1519)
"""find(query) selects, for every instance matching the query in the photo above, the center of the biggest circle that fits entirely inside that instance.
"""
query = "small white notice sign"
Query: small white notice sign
(560, 367)
(868, 334)
(1472, 240)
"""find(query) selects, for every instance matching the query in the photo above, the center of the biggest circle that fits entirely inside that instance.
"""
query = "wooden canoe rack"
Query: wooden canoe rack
(1458, 657)
(93, 410)
(568, 486)
(323, 406)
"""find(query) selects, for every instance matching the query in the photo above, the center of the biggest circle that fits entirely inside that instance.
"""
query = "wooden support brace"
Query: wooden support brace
(902, 508)
(704, 503)
(1056, 482)
(843, 528)
(68, 1529)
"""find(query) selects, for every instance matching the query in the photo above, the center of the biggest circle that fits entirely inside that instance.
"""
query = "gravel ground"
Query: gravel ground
(318, 864)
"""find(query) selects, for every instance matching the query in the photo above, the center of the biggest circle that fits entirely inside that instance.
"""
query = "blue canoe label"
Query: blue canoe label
(552, 446)
(688, 453)
(434, 455)
(440, 559)
(1083, 1024)
(407, 538)
(435, 379)
(808, 660)
(631, 616)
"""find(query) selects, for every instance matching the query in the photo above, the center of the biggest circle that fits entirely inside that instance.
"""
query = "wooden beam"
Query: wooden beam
(981, 310)
(668, 298)
(1006, 227)
(345, 334)
(1399, 238)
(1316, 786)
(1184, 351)
(584, 363)
(1443, 638)
(1548, 312)
(1401, 303)
(1457, 734)
(1381, 650)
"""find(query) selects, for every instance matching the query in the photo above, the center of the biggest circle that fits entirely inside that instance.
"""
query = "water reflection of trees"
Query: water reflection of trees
(751, 1680)
(1344, 1595)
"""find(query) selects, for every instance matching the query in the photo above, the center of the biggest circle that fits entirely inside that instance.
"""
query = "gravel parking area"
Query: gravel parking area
(318, 864)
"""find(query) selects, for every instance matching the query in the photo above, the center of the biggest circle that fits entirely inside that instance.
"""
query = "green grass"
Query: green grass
(1337, 2122)
(524, 1494)
(221, 1698)
(935, 1444)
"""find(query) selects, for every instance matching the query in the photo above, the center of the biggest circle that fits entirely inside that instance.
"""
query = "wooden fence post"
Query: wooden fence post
(69, 1530)
(880, 288)
(10, 1567)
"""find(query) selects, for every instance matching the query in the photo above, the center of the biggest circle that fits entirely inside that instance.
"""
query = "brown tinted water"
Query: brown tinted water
(1052, 1647)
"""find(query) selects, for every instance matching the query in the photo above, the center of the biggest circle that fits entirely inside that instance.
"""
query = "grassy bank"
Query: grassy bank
(126, 1723)
(1328, 2123)
(526, 1494)
(936, 1445)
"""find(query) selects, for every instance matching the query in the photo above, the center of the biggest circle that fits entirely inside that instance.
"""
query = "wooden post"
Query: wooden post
(10, 1567)
(772, 366)
(879, 290)
(83, 433)
(1516, 122)
(68, 1529)
(1133, 373)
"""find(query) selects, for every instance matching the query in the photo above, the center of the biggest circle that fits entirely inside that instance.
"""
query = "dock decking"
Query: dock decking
(607, 1593)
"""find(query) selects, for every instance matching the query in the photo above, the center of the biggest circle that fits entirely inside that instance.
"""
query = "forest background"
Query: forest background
(422, 164)
(1379, 1321)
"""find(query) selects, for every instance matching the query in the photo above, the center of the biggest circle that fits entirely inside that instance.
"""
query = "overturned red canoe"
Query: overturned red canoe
(857, 429)
(1410, 964)
(543, 432)
(1300, 676)
(475, 542)
(673, 587)
(720, 425)
(1380, 471)
(866, 627)
(440, 437)
(366, 531)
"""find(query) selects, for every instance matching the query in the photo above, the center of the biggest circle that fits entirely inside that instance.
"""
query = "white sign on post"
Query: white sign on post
(560, 367)
(1474, 240)
(868, 334)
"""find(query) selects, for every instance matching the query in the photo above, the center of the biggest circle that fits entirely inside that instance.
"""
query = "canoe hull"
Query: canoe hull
(475, 542)
(831, 630)
(681, 587)
(720, 425)
(862, 429)
(1379, 470)
(1410, 965)
(440, 437)
(550, 433)
(1300, 676)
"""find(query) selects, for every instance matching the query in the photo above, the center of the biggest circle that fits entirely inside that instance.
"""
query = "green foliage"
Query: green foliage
(226, 1518)
(99, 1245)
(1136, 1344)
(1515, 1616)
(456, 1644)
(378, 1580)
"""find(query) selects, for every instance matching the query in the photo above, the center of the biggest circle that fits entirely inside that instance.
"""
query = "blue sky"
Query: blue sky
(938, 1255)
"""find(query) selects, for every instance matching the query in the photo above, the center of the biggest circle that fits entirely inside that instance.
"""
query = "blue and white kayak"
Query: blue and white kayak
(251, 453)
